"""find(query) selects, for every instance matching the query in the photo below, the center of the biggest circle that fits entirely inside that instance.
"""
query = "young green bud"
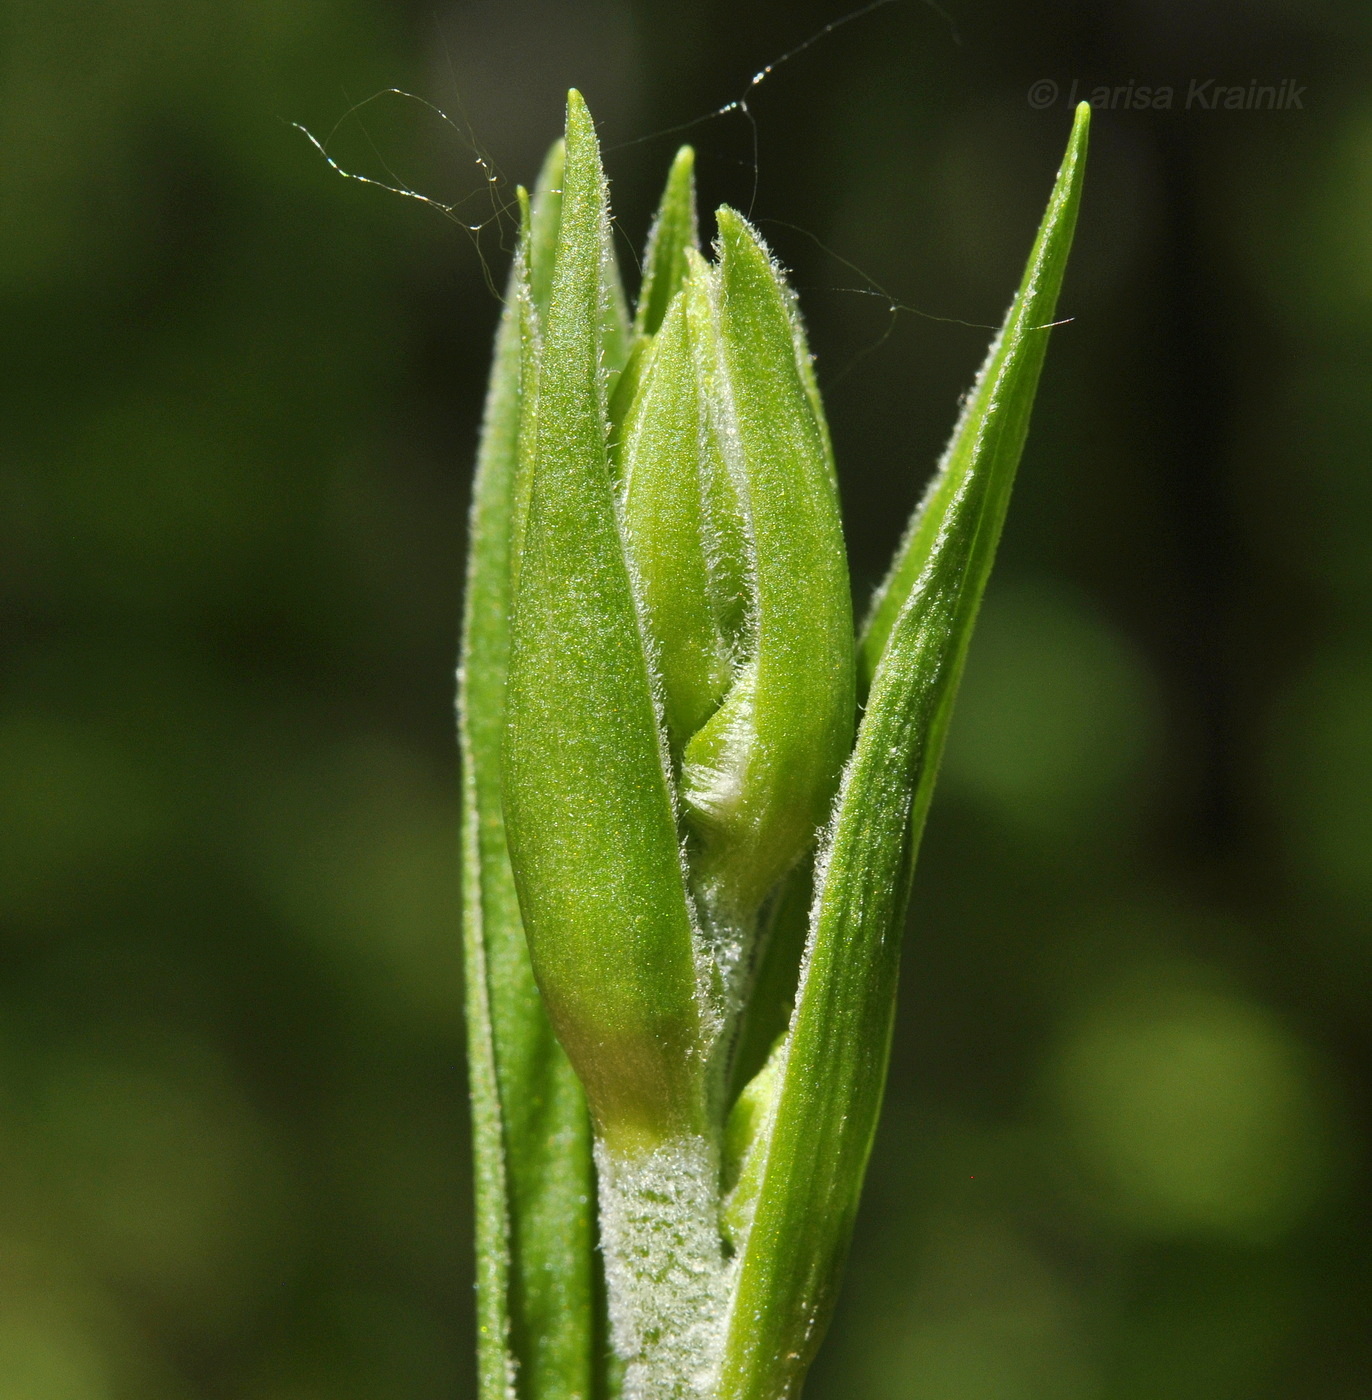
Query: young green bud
(588, 802)
(540, 223)
(758, 777)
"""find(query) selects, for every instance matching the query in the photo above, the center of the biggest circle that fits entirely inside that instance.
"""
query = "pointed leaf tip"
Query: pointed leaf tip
(995, 416)
(674, 231)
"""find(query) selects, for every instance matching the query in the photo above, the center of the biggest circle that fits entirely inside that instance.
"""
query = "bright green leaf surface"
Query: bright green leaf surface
(674, 231)
(833, 1067)
(665, 528)
(588, 804)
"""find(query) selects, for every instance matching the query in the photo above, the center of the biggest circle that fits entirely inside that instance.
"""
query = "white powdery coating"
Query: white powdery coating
(664, 1266)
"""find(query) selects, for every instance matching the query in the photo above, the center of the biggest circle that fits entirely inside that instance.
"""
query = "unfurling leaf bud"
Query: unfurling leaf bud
(665, 460)
(588, 801)
(759, 776)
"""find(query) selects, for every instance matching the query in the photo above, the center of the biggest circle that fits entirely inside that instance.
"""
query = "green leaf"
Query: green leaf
(674, 236)
(675, 229)
(831, 1070)
(758, 777)
(726, 542)
(530, 1126)
(665, 531)
(588, 804)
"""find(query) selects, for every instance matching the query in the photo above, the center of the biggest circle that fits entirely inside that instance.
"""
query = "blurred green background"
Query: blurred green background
(1126, 1147)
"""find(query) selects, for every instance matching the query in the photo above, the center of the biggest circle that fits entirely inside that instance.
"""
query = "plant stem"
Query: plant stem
(665, 1267)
